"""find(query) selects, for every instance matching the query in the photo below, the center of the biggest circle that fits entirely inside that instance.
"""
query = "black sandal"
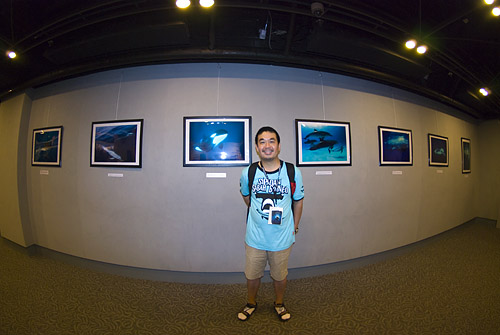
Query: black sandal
(283, 314)
(247, 312)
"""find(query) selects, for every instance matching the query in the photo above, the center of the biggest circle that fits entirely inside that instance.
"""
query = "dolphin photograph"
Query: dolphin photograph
(323, 142)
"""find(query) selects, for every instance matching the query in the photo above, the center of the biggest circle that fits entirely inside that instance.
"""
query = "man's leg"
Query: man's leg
(279, 290)
(252, 289)
(279, 271)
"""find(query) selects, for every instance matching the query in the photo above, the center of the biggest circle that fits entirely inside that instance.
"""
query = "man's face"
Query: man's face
(267, 146)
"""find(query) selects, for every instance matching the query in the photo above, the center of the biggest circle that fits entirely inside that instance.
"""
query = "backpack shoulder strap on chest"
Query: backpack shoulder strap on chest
(251, 176)
(290, 169)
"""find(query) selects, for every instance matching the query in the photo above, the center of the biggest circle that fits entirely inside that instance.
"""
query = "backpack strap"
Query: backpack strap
(290, 169)
(251, 176)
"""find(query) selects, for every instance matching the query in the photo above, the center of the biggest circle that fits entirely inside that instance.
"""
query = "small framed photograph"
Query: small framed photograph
(395, 146)
(466, 155)
(116, 143)
(46, 147)
(217, 141)
(323, 143)
(438, 150)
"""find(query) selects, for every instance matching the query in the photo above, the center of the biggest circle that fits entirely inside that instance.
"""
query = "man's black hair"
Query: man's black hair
(268, 129)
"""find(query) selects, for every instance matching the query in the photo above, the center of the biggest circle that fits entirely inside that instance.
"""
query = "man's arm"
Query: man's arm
(246, 199)
(297, 212)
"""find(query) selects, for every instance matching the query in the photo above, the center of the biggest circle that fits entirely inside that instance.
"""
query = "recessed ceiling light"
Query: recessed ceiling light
(410, 44)
(489, 2)
(182, 3)
(484, 91)
(422, 49)
(206, 3)
(11, 54)
(496, 11)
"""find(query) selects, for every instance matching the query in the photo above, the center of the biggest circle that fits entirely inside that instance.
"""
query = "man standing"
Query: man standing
(275, 201)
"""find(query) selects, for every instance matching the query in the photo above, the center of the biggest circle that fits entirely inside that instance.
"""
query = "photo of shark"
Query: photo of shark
(323, 142)
(395, 146)
(116, 143)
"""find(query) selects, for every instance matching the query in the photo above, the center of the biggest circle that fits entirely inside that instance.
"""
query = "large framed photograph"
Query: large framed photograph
(466, 155)
(323, 143)
(395, 146)
(438, 150)
(46, 146)
(116, 143)
(217, 141)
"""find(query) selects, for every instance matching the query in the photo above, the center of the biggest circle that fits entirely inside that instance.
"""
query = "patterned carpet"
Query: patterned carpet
(450, 285)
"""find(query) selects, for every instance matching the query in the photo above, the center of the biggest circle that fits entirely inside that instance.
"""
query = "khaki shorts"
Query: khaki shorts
(256, 261)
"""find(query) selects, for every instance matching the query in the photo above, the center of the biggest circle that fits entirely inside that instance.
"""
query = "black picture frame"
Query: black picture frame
(47, 146)
(438, 150)
(395, 146)
(116, 143)
(322, 143)
(217, 141)
(466, 155)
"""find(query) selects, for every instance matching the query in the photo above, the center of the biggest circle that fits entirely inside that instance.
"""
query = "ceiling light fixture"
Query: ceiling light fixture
(422, 49)
(11, 54)
(182, 3)
(485, 91)
(206, 3)
(496, 11)
(489, 2)
(410, 44)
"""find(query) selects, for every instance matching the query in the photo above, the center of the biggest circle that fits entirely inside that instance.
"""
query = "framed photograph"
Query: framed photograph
(323, 142)
(395, 146)
(466, 155)
(438, 150)
(116, 143)
(217, 141)
(46, 147)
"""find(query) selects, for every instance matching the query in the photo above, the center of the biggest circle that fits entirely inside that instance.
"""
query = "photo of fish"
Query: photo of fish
(216, 141)
(438, 150)
(116, 143)
(323, 143)
(395, 146)
(47, 146)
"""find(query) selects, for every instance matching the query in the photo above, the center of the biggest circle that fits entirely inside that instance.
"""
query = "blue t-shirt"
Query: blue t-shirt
(268, 191)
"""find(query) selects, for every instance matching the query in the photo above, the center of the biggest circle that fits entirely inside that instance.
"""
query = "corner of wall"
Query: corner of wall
(14, 219)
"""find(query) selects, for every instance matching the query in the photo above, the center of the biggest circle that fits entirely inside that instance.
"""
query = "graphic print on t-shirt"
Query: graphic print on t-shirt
(270, 191)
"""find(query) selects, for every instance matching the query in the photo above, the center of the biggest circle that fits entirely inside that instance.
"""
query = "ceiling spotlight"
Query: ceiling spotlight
(317, 9)
(206, 3)
(422, 49)
(489, 2)
(410, 44)
(496, 11)
(484, 91)
(11, 54)
(183, 3)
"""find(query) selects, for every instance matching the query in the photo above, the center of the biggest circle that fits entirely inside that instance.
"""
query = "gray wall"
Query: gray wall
(488, 200)
(165, 216)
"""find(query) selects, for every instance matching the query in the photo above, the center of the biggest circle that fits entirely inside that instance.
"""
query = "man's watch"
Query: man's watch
(296, 230)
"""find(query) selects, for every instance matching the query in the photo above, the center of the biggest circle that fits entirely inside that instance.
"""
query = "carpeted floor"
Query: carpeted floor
(450, 285)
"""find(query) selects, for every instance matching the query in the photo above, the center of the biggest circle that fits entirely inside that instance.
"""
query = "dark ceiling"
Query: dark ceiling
(58, 39)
